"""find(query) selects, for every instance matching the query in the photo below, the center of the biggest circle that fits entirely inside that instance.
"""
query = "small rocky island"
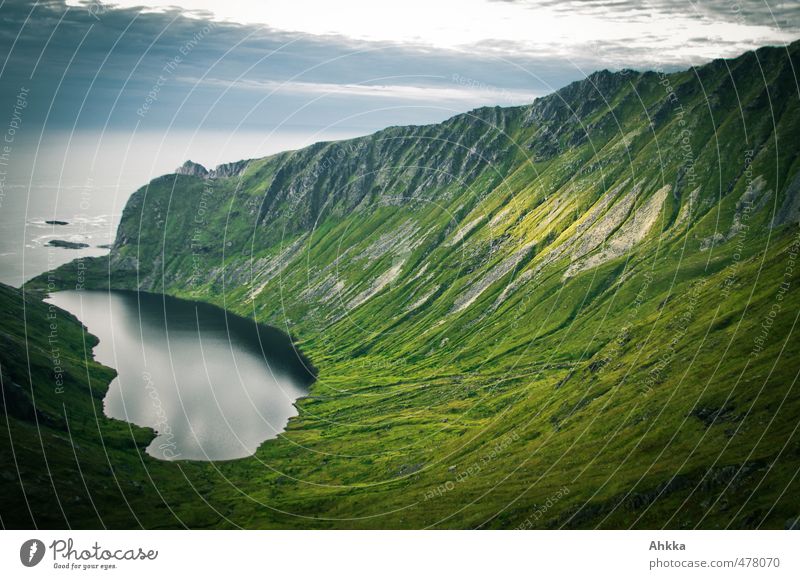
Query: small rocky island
(66, 244)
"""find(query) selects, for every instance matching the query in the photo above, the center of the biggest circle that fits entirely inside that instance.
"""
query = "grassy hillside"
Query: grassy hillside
(575, 313)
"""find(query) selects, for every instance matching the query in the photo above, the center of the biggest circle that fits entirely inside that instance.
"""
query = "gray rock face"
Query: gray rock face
(752, 200)
(790, 208)
(688, 209)
(626, 236)
(711, 241)
(193, 169)
(498, 271)
(220, 172)
(229, 169)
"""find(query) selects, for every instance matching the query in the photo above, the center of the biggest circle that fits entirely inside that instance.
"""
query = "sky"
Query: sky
(279, 74)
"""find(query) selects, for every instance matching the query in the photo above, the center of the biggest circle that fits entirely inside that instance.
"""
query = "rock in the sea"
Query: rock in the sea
(66, 244)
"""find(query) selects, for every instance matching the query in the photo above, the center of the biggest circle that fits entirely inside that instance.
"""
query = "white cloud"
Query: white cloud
(462, 91)
(683, 29)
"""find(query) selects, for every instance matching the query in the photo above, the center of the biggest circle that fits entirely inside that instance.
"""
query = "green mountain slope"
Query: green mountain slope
(575, 313)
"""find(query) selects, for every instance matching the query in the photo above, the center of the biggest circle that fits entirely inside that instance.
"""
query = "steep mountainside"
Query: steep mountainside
(586, 303)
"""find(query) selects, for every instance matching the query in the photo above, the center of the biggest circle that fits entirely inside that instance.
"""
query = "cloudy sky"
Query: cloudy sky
(223, 79)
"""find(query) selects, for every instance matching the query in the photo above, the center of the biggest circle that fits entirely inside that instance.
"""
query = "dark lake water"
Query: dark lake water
(214, 386)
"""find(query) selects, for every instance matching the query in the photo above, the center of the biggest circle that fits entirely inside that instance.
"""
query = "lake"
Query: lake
(213, 385)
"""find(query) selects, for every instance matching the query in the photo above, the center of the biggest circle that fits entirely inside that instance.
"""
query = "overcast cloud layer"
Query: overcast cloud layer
(90, 65)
